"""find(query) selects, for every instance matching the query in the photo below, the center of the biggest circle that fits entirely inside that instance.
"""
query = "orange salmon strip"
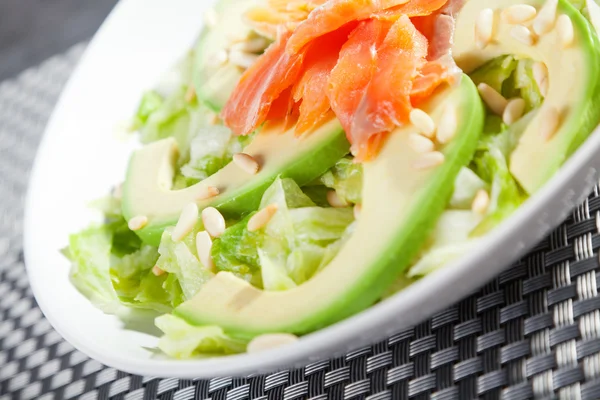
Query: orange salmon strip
(334, 14)
(260, 86)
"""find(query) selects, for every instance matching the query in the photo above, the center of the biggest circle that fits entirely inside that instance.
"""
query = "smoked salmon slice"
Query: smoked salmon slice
(438, 28)
(367, 61)
(386, 102)
(260, 86)
(334, 14)
(311, 90)
(354, 70)
(410, 9)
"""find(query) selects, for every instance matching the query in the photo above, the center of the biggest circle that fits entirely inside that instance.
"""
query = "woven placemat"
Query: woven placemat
(534, 332)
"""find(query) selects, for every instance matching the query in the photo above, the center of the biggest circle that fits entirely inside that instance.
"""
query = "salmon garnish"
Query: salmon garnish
(386, 102)
(262, 83)
(334, 14)
(354, 70)
(367, 61)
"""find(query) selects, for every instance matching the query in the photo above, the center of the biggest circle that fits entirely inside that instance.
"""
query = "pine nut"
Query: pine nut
(203, 247)
(429, 160)
(447, 125)
(213, 221)
(420, 143)
(564, 30)
(246, 162)
(137, 223)
(241, 59)
(546, 17)
(187, 221)
(481, 202)
(523, 35)
(208, 192)
(514, 111)
(335, 201)
(262, 218)
(423, 122)
(518, 14)
(157, 271)
(270, 341)
(484, 27)
(540, 75)
(550, 120)
(494, 100)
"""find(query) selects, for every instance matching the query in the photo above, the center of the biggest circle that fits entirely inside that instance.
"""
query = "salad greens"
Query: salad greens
(182, 340)
(204, 147)
(294, 243)
(114, 269)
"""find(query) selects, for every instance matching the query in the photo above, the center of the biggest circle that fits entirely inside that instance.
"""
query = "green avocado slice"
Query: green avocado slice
(147, 188)
(401, 204)
(573, 82)
(215, 79)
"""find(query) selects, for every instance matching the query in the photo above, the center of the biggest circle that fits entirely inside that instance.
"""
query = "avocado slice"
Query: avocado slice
(147, 188)
(573, 78)
(215, 79)
(401, 205)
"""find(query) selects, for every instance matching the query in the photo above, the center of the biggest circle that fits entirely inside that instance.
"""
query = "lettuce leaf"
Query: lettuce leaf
(113, 268)
(274, 275)
(89, 253)
(236, 251)
(495, 72)
(138, 287)
(293, 245)
(179, 259)
(466, 186)
(182, 340)
(449, 241)
(204, 147)
(346, 178)
(524, 85)
(512, 78)
(490, 163)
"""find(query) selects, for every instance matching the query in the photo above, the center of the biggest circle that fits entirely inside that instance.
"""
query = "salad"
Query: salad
(310, 158)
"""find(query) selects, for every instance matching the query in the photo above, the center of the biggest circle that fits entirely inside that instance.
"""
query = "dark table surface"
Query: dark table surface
(33, 30)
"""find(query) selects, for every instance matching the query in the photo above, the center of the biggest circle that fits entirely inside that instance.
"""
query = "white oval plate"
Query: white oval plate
(81, 157)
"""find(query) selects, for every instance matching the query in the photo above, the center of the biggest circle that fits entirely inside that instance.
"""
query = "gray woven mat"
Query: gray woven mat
(532, 332)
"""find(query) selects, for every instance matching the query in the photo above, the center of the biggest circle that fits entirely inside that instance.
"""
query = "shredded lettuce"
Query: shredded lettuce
(300, 234)
(274, 275)
(138, 287)
(182, 340)
(291, 248)
(495, 72)
(346, 178)
(89, 253)
(449, 241)
(236, 251)
(490, 163)
(511, 78)
(524, 85)
(210, 150)
(204, 147)
(179, 259)
(466, 186)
